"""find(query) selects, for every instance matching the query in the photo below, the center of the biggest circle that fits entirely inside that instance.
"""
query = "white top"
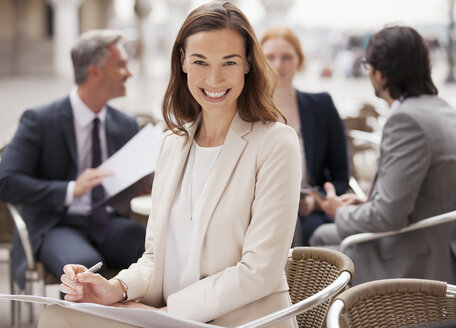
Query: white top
(83, 124)
(181, 263)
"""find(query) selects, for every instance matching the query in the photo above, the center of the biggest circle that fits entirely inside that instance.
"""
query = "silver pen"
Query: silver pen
(92, 269)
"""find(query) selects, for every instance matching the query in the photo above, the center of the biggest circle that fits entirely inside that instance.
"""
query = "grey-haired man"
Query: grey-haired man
(49, 168)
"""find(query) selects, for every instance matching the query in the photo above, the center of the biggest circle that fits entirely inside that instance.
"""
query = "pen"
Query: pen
(92, 269)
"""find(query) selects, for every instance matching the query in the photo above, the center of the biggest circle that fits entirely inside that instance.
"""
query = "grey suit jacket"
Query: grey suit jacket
(416, 179)
(39, 162)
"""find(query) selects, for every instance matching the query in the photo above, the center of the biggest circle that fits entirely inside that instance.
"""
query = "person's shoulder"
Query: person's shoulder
(321, 102)
(273, 131)
(48, 111)
(120, 115)
(317, 97)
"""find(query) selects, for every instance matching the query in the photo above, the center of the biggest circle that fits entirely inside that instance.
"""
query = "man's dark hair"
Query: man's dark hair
(401, 55)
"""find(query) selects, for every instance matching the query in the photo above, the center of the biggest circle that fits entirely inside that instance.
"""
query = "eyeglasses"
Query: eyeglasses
(365, 64)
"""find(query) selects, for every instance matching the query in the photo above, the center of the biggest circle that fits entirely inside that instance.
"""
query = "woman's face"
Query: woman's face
(283, 57)
(215, 63)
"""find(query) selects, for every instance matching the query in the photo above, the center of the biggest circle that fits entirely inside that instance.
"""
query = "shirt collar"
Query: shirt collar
(83, 115)
(396, 103)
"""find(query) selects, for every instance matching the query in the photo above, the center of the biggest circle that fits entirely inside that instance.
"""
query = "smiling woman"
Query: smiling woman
(215, 77)
(225, 194)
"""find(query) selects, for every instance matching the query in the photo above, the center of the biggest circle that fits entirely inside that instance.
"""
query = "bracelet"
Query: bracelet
(124, 290)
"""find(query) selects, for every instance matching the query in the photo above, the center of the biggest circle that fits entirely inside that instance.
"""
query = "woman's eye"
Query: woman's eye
(287, 57)
(199, 62)
(229, 63)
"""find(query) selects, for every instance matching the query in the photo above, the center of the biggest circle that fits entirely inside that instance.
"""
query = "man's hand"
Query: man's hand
(351, 199)
(332, 201)
(89, 179)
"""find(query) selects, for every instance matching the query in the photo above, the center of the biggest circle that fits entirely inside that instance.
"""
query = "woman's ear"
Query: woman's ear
(182, 58)
(247, 67)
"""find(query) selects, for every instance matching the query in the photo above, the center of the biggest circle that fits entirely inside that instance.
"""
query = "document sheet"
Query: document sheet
(135, 160)
(136, 317)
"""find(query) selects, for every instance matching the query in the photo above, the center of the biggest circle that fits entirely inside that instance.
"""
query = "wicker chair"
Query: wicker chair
(354, 244)
(392, 303)
(315, 276)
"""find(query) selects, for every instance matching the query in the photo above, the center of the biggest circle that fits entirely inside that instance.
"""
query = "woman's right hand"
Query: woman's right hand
(88, 287)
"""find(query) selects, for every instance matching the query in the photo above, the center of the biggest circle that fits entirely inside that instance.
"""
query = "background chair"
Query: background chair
(394, 303)
(314, 276)
(6, 243)
(349, 244)
(36, 273)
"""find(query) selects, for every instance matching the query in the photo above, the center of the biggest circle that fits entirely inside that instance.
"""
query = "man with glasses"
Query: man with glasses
(416, 175)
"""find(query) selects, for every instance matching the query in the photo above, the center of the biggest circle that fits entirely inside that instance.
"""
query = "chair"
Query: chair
(368, 236)
(6, 243)
(360, 238)
(314, 276)
(36, 271)
(392, 303)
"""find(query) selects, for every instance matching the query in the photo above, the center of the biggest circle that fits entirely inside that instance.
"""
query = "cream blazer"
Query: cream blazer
(247, 226)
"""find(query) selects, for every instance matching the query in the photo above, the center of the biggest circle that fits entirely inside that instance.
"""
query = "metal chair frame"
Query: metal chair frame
(326, 294)
(368, 236)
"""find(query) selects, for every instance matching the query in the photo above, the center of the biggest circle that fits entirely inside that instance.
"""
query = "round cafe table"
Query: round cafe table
(141, 207)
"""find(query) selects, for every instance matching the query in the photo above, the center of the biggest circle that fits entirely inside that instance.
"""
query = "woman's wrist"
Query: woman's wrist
(121, 289)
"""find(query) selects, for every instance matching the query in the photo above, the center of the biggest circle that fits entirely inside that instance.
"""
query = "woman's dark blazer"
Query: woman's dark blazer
(324, 139)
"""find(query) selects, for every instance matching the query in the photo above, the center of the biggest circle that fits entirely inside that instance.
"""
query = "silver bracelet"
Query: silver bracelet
(124, 290)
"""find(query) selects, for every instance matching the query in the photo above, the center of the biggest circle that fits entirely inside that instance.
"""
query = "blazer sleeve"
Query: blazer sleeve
(267, 240)
(18, 164)
(404, 162)
(337, 149)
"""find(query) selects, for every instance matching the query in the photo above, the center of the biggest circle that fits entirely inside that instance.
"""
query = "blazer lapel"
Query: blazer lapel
(66, 120)
(308, 127)
(231, 152)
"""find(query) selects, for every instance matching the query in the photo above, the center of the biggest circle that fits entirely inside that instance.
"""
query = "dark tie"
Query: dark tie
(99, 216)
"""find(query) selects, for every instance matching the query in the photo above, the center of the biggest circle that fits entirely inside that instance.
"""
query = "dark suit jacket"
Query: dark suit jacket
(38, 164)
(324, 141)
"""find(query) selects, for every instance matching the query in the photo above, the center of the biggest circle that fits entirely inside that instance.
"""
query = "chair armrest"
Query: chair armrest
(302, 306)
(451, 290)
(367, 236)
(23, 235)
(334, 312)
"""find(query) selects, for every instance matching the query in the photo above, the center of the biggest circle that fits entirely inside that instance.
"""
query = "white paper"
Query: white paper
(137, 317)
(136, 159)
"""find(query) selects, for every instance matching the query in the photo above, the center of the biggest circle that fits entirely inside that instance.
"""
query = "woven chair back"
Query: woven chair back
(397, 303)
(309, 271)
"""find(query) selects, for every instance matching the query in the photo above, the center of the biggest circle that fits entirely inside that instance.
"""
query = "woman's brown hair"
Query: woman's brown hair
(255, 101)
(287, 34)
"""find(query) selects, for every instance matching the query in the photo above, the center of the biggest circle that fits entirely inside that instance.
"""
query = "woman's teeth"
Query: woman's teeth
(215, 94)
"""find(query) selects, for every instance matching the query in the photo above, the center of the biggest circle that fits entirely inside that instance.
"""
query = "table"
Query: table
(141, 207)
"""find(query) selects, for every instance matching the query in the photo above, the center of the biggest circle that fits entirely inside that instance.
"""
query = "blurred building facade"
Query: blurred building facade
(32, 31)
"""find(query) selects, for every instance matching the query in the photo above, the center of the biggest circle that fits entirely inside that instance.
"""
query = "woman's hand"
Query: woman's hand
(306, 205)
(88, 287)
(331, 203)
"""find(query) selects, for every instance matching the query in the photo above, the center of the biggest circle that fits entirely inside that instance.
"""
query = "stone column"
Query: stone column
(66, 31)
(142, 11)
(276, 12)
